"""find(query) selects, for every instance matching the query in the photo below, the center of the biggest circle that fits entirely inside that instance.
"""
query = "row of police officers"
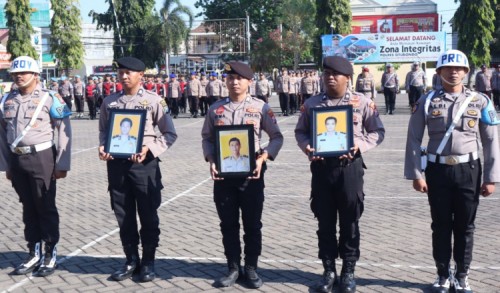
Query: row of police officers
(456, 119)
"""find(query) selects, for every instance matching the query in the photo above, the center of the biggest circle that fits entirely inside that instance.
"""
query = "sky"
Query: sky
(445, 8)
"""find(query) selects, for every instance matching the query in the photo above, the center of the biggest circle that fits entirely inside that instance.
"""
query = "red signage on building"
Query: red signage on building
(370, 24)
(103, 69)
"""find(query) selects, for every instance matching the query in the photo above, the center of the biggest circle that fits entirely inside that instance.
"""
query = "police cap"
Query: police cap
(130, 63)
(240, 68)
(338, 64)
(336, 37)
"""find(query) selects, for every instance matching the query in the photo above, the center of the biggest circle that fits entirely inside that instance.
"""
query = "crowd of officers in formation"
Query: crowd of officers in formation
(458, 121)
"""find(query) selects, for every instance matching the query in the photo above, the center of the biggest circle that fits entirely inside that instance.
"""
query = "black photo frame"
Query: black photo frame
(334, 142)
(118, 144)
(226, 139)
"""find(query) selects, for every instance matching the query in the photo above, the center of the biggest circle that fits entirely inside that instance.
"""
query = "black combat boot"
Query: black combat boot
(443, 281)
(460, 281)
(49, 260)
(329, 276)
(131, 266)
(251, 278)
(347, 282)
(148, 264)
(231, 277)
(32, 261)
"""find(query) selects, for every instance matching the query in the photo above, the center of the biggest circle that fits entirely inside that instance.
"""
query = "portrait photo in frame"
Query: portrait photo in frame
(332, 130)
(235, 150)
(125, 132)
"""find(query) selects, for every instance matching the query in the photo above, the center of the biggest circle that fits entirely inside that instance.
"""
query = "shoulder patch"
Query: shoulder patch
(164, 106)
(220, 110)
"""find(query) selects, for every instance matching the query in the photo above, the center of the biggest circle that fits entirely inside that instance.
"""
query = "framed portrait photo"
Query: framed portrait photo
(235, 150)
(125, 132)
(332, 130)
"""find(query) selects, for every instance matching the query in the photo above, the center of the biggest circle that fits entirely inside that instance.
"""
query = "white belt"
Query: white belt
(453, 159)
(24, 150)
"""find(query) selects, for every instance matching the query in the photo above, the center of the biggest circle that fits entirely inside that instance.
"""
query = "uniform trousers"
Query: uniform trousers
(174, 105)
(193, 105)
(453, 198)
(293, 103)
(212, 100)
(496, 98)
(67, 100)
(136, 188)
(263, 98)
(32, 179)
(231, 196)
(284, 102)
(203, 105)
(390, 98)
(79, 103)
(91, 103)
(337, 189)
(414, 94)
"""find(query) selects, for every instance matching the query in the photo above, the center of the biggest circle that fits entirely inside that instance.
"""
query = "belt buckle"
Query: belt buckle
(452, 160)
(18, 150)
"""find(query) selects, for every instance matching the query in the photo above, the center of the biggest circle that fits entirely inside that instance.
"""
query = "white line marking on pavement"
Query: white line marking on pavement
(97, 240)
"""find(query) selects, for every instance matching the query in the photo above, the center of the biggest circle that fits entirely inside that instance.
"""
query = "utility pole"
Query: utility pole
(248, 35)
(117, 27)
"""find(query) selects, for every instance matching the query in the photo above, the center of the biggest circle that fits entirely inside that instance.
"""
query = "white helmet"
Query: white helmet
(453, 58)
(24, 64)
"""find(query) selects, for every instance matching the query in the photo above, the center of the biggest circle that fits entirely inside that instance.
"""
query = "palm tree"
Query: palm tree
(176, 29)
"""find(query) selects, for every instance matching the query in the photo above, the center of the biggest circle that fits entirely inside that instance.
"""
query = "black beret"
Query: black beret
(240, 68)
(130, 63)
(338, 64)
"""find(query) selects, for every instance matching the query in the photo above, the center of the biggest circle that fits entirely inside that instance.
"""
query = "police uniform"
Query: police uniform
(263, 89)
(390, 83)
(135, 188)
(174, 93)
(66, 91)
(337, 184)
(123, 144)
(292, 93)
(453, 177)
(283, 89)
(234, 194)
(239, 164)
(415, 83)
(308, 86)
(79, 92)
(203, 102)
(31, 163)
(483, 81)
(495, 86)
(366, 85)
(214, 89)
(224, 91)
(91, 94)
(336, 141)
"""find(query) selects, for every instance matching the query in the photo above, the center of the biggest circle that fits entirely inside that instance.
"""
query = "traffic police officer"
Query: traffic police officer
(453, 174)
(136, 181)
(337, 182)
(390, 83)
(246, 194)
(415, 83)
(28, 118)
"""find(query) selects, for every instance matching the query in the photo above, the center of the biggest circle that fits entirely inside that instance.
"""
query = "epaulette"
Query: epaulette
(132, 137)
(244, 156)
(116, 136)
(227, 157)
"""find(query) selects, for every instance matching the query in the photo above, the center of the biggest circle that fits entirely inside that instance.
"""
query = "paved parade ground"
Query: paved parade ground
(395, 240)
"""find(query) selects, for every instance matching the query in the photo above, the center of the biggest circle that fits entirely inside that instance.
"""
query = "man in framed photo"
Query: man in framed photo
(331, 140)
(337, 182)
(236, 162)
(135, 182)
(241, 193)
(123, 142)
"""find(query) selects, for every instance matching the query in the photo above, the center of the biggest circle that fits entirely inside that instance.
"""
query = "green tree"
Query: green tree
(135, 28)
(298, 30)
(495, 45)
(18, 14)
(472, 19)
(331, 15)
(174, 25)
(65, 32)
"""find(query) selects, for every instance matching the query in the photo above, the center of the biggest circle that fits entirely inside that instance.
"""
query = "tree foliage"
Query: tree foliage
(263, 13)
(138, 27)
(18, 14)
(65, 32)
(495, 45)
(474, 23)
(331, 15)
(174, 25)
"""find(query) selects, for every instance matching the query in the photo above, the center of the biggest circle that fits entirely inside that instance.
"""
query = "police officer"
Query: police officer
(337, 182)
(214, 88)
(194, 94)
(293, 89)
(135, 183)
(224, 94)
(66, 91)
(483, 81)
(283, 85)
(263, 88)
(415, 83)
(365, 83)
(246, 194)
(79, 92)
(124, 142)
(203, 101)
(455, 118)
(390, 83)
(495, 86)
(28, 118)
(236, 162)
(54, 86)
(331, 140)
(308, 86)
(174, 94)
(91, 95)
